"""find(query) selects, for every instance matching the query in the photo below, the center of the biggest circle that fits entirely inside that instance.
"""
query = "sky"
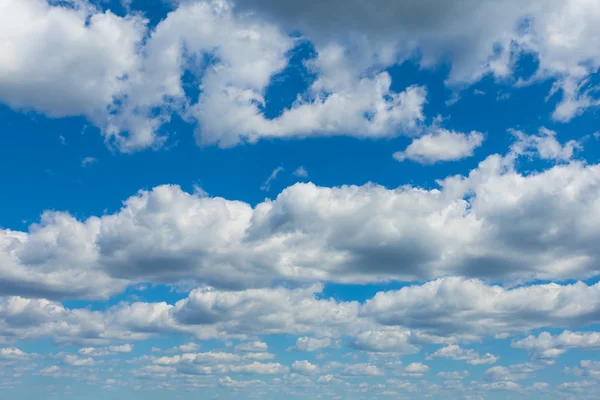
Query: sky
(258, 199)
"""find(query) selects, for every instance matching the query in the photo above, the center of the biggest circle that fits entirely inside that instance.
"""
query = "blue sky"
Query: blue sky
(255, 199)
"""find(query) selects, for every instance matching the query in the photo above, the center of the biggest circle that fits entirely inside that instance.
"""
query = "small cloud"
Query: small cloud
(62, 139)
(453, 99)
(478, 92)
(300, 172)
(501, 96)
(87, 161)
(267, 185)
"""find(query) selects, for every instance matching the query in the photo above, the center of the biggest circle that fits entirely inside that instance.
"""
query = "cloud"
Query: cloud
(470, 307)
(547, 346)
(305, 367)
(586, 368)
(441, 145)
(512, 373)
(105, 351)
(453, 375)
(267, 185)
(478, 39)
(87, 161)
(416, 369)
(300, 172)
(362, 370)
(128, 80)
(75, 361)
(252, 347)
(384, 341)
(455, 352)
(219, 363)
(544, 145)
(311, 344)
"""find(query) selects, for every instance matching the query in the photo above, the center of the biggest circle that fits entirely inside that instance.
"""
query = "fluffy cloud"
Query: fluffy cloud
(545, 145)
(416, 369)
(218, 363)
(471, 307)
(125, 72)
(311, 344)
(128, 77)
(384, 341)
(547, 346)
(455, 352)
(512, 373)
(478, 38)
(495, 223)
(32, 319)
(441, 145)
(586, 368)
(105, 351)
(305, 367)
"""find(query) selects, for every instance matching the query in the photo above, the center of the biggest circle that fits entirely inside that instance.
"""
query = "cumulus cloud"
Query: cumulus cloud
(301, 172)
(305, 367)
(384, 341)
(105, 351)
(479, 38)
(547, 346)
(586, 368)
(470, 307)
(311, 344)
(128, 79)
(494, 223)
(441, 145)
(455, 352)
(544, 145)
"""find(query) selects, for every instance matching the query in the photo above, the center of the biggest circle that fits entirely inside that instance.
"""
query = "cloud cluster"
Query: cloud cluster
(546, 346)
(494, 223)
(126, 77)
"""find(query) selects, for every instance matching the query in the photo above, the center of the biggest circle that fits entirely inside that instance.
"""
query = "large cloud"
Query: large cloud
(456, 306)
(127, 78)
(495, 223)
(476, 37)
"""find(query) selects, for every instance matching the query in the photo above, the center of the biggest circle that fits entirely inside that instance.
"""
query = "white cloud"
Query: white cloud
(494, 223)
(75, 361)
(453, 375)
(267, 185)
(547, 346)
(252, 347)
(512, 373)
(105, 351)
(362, 370)
(87, 161)
(470, 307)
(384, 341)
(586, 368)
(478, 38)
(305, 367)
(441, 145)
(544, 145)
(311, 344)
(128, 77)
(300, 172)
(455, 352)
(416, 369)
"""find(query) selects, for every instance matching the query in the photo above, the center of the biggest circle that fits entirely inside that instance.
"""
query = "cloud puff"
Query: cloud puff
(547, 346)
(441, 145)
(470, 307)
(454, 352)
(494, 223)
